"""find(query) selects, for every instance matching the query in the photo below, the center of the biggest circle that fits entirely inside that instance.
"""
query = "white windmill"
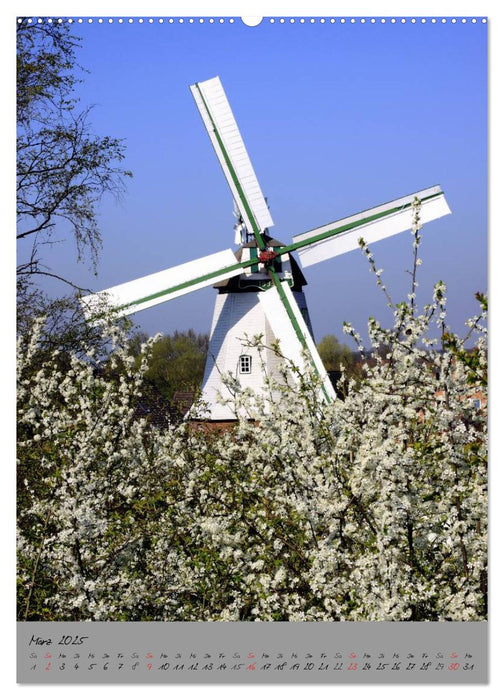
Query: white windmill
(260, 285)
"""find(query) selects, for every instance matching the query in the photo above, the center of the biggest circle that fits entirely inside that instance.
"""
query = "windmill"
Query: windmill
(260, 286)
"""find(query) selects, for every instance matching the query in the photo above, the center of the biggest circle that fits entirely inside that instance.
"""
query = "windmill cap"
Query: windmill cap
(231, 284)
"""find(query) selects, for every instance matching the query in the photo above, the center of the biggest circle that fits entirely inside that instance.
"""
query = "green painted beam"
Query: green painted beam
(254, 261)
(243, 199)
(296, 326)
(233, 270)
(354, 224)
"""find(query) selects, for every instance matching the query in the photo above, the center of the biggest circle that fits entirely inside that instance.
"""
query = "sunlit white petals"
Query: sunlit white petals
(371, 508)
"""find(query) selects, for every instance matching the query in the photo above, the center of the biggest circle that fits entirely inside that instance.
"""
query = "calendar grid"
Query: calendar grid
(252, 652)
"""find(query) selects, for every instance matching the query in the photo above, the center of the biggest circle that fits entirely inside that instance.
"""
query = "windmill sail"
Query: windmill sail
(161, 286)
(220, 123)
(371, 225)
(292, 333)
(273, 309)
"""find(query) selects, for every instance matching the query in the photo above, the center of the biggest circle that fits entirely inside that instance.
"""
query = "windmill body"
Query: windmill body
(238, 318)
(260, 287)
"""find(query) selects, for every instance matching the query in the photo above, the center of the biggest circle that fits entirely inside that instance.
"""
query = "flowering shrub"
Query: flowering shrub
(370, 508)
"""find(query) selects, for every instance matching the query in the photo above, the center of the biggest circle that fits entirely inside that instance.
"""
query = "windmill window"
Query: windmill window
(245, 364)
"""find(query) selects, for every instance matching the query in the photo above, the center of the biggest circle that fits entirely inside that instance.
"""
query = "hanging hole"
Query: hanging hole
(252, 21)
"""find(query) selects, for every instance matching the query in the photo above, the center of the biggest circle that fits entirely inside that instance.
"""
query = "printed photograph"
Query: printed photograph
(251, 320)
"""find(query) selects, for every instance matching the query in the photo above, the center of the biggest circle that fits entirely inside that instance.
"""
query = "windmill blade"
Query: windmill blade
(220, 123)
(372, 225)
(291, 331)
(159, 287)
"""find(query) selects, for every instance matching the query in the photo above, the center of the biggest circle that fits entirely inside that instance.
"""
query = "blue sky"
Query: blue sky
(337, 118)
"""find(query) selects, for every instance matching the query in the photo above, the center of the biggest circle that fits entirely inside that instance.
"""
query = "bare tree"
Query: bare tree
(63, 169)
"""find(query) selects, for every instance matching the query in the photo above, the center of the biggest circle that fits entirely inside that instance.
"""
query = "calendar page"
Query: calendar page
(252, 357)
(270, 652)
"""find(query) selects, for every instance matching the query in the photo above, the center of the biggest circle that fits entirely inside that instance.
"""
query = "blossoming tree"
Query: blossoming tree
(370, 508)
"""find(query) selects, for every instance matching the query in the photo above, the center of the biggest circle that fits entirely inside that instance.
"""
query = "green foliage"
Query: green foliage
(340, 361)
(177, 362)
(335, 354)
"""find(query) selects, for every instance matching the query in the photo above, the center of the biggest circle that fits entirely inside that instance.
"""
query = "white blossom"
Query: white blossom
(370, 508)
